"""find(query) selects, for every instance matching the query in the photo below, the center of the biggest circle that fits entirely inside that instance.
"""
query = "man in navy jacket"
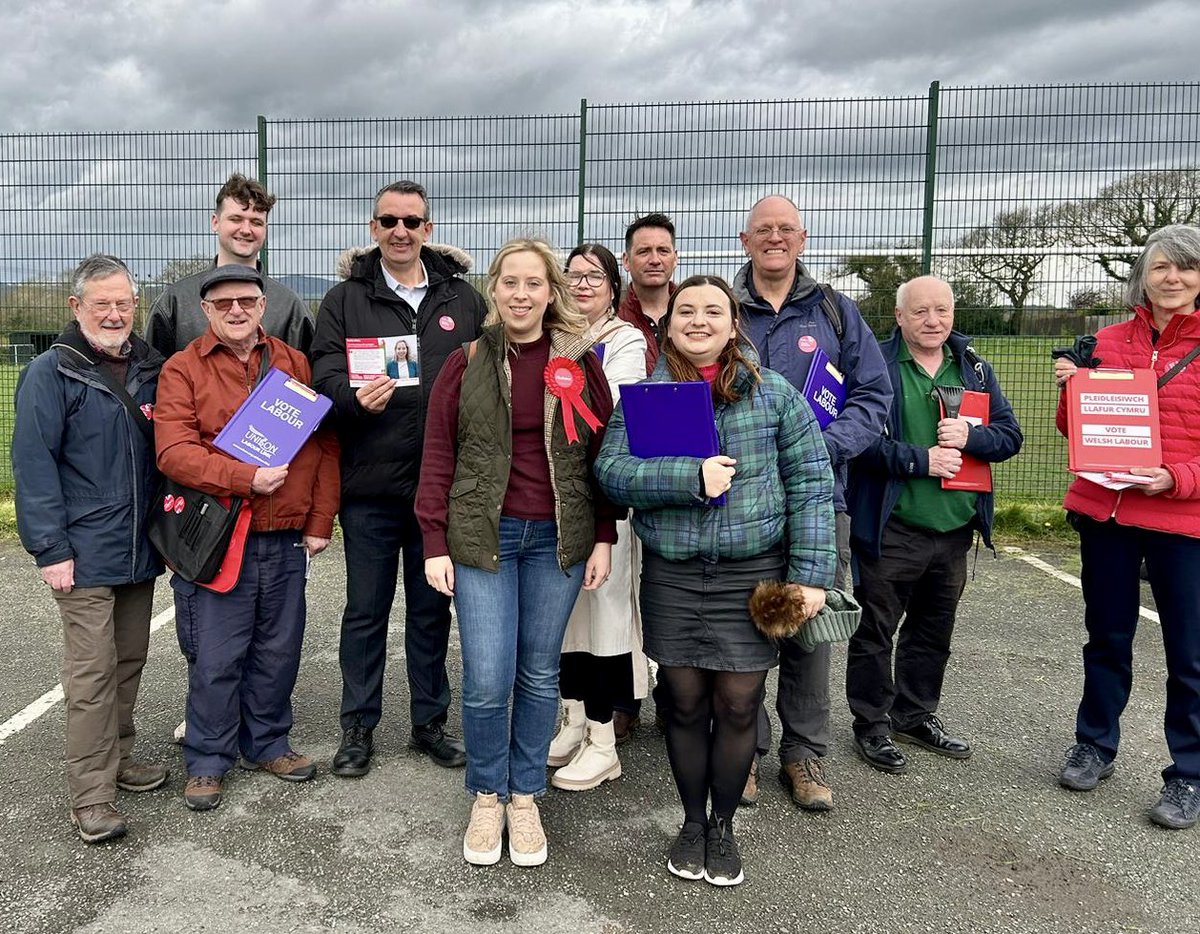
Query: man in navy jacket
(85, 478)
(788, 316)
(910, 535)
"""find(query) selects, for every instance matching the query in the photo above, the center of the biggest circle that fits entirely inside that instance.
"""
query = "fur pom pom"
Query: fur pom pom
(777, 609)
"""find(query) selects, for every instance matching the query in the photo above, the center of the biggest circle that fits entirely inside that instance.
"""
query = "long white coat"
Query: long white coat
(607, 621)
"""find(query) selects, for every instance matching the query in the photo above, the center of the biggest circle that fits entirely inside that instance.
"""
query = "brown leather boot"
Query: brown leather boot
(805, 780)
(750, 792)
(98, 822)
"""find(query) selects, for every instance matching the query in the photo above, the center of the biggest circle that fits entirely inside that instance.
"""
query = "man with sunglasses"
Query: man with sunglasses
(401, 286)
(240, 223)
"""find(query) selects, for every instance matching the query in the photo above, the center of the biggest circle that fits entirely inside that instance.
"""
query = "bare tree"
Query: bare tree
(1122, 215)
(1010, 271)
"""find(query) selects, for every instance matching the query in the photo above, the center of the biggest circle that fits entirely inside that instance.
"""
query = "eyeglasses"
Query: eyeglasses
(594, 279)
(411, 222)
(245, 302)
(123, 307)
(787, 231)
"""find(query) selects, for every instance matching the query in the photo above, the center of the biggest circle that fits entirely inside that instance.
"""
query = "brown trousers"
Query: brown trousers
(106, 634)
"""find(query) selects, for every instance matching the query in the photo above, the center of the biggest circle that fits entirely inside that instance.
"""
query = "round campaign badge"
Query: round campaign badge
(807, 343)
(180, 503)
(446, 323)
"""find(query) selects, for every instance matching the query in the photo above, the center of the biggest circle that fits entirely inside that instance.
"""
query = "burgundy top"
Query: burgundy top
(529, 494)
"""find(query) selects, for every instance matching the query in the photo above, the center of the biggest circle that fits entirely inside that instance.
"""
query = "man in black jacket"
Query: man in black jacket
(399, 287)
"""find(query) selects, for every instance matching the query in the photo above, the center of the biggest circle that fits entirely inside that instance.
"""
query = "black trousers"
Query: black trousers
(920, 576)
(376, 532)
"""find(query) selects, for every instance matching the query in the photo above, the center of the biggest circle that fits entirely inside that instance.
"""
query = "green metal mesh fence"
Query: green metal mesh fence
(1032, 201)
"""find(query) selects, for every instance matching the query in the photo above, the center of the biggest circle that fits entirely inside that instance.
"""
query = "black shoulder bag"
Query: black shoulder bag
(189, 528)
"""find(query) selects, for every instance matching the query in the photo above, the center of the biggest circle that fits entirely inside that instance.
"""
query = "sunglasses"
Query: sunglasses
(411, 222)
(245, 302)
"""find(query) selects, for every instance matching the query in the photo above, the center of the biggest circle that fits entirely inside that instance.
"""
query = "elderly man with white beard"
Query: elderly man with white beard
(85, 476)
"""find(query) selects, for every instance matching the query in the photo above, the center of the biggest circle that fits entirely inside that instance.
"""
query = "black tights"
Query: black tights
(711, 734)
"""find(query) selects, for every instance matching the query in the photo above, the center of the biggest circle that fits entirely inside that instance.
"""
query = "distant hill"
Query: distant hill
(309, 288)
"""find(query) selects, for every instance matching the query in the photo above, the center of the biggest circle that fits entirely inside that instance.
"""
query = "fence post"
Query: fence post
(931, 138)
(582, 165)
(262, 176)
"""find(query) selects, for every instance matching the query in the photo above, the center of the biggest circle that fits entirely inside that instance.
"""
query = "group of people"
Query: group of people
(498, 470)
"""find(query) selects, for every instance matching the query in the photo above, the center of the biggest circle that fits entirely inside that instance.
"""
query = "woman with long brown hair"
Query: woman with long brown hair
(701, 561)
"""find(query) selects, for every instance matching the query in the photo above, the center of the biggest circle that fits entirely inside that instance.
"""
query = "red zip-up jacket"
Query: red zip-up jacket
(1128, 345)
(199, 390)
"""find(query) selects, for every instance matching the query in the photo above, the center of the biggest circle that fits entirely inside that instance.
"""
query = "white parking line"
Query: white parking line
(18, 721)
(1067, 578)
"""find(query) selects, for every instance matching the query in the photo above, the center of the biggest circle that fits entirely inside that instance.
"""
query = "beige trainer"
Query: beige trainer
(526, 838)
(570, 734)
(595, 763)
(482, 841)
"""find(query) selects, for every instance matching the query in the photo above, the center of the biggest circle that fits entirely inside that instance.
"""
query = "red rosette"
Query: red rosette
(564, 378)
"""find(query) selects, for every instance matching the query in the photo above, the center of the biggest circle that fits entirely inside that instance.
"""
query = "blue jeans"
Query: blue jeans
(511, 623)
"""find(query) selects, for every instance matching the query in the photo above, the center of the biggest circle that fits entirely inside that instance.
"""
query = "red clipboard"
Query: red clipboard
(230, 571)
(1112, 420)
(974, 474)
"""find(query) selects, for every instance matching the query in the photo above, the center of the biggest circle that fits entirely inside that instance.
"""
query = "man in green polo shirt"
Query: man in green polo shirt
(910, 537)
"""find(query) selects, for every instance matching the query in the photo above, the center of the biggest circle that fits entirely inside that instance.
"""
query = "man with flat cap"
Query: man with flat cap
(243, 646)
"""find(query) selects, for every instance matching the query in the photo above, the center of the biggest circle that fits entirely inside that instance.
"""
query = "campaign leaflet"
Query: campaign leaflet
(368, 358)
(824, 389)
(273, 424)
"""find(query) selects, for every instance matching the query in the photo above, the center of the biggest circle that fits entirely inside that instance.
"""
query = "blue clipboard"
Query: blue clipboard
(671, 420)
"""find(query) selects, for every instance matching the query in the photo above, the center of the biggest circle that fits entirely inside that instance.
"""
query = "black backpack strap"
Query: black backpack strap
(1178, 367)
(833, 310)
(138, 416)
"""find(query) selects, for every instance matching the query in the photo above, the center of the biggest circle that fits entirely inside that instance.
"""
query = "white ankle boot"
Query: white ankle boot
(595, 762)
(570, 733)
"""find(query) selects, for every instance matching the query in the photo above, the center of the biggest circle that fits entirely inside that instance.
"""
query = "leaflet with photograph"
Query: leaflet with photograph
(368, 358)
(273, 424)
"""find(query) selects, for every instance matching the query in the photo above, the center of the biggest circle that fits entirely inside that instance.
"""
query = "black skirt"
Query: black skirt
(695, 613)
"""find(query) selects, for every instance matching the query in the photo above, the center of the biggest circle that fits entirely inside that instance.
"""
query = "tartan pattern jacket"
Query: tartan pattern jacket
(782, 493)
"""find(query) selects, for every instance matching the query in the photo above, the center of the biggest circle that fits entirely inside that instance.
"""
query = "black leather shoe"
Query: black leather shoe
(444, 749)
(931, 735)
(881, 753)
(353, 758)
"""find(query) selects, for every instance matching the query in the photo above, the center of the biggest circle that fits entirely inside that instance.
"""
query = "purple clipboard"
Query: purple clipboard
(273, 424)
(671, 420)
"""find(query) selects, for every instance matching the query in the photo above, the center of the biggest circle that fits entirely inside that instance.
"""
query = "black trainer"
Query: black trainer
(444, 749)
(1179, 806)
(353, 756)
(722, 861)
(687, 852)
(1084, 768)
(881, 753)
(931, 734)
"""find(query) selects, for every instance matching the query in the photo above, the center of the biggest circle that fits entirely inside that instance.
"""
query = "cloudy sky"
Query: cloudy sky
(206, 64)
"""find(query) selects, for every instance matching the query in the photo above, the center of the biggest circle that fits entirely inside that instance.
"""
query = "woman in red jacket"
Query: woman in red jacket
(1158, 522)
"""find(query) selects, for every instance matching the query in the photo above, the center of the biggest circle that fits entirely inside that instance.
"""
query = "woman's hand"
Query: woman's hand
(1161, 482)
(718, 475)
(813, 597)
(1063, 369)
(439, 572)
(598, 567)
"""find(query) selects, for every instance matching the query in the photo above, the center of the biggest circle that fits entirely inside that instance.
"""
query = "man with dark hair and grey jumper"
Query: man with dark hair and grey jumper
(85, 477)
(240, 223)
(401, 286)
